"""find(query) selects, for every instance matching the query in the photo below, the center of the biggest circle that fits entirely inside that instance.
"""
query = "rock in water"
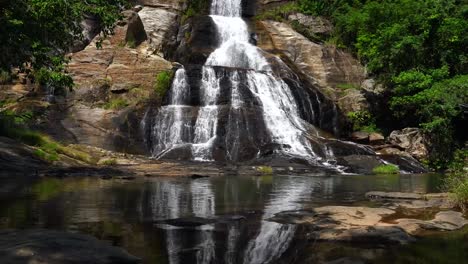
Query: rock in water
(56, 247)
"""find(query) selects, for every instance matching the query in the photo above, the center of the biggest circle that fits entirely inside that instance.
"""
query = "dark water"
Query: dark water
(217, 220)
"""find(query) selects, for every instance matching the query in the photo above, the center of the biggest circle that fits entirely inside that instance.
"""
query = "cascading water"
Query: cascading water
(243, 68)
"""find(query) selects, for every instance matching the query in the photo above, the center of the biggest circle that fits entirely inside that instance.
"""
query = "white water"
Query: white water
(174, 127)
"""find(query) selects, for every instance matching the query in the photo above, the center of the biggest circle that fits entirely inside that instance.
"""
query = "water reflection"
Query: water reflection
(214, 220)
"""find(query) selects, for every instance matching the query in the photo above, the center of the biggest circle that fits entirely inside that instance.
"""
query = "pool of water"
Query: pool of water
(208, 220)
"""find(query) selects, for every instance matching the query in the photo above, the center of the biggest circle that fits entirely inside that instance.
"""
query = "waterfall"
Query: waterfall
(239, 71)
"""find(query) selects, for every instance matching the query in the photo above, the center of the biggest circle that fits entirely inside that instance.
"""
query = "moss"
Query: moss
(163, 83)
(109, 162)
(347, 86)
(386, 169)
(116, 104)
(5, 77)
(279, 13)
(265, 170)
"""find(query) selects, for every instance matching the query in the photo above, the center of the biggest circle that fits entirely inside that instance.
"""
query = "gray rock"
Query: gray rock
(56, 247)
(394, 195)
(315, 25)
(160, 26)
(412, 140)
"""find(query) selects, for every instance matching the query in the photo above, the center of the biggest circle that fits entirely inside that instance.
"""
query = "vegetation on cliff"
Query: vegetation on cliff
(417, 49)
(36, 34)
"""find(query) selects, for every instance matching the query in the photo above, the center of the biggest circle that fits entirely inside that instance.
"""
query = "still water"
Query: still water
(214, 220)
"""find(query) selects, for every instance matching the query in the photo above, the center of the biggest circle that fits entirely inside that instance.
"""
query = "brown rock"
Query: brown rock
(376, 138)
(361, 137)
(166, 4)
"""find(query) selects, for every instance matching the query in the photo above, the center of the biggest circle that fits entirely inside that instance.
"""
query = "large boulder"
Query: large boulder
(161, 27)
(411, 140)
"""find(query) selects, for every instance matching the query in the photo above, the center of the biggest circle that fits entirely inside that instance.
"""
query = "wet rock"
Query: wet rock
(394, 195)
(56, 247)
(412, 140)
(360, 164)
(405, 163)
(18, 158)
(189, 222)
(443, 221)
(198, 176)
(377, 235)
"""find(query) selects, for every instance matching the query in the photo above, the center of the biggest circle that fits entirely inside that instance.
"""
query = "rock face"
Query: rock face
(411, 140)
(113, 85)
(54, 247)
(335, 72)
(16, 157)
(177, 5)
(313, 25)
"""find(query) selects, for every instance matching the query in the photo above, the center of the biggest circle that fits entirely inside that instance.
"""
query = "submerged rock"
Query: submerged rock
(56, 247)
(367, 225)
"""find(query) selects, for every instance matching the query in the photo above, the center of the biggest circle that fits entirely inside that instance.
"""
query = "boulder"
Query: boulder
(411, 140)
(376, 138)
(361, 137)
(160, 26)
(56, 247)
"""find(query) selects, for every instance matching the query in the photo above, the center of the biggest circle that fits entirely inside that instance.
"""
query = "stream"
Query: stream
(218, 219)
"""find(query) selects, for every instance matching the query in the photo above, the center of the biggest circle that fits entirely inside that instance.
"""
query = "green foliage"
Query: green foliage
(347, 86)
(163, 83)
(5, 77)
(457, 179)
(279, 13)
(363, 121)
(109, 162)
(417, 48)
(265, 170)
(386, 169)
(195, 7)
(116, 104)
(36, 34)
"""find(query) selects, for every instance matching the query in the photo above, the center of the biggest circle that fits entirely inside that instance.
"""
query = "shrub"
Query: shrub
(5, 77)
(456, 182)
(163, 83)
(109, 162)
(362, 121)
(265, 170)
(279, 13)
(116, 104)
(386, 169)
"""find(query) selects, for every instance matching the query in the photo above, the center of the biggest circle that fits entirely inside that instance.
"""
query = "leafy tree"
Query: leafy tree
(36, 33)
